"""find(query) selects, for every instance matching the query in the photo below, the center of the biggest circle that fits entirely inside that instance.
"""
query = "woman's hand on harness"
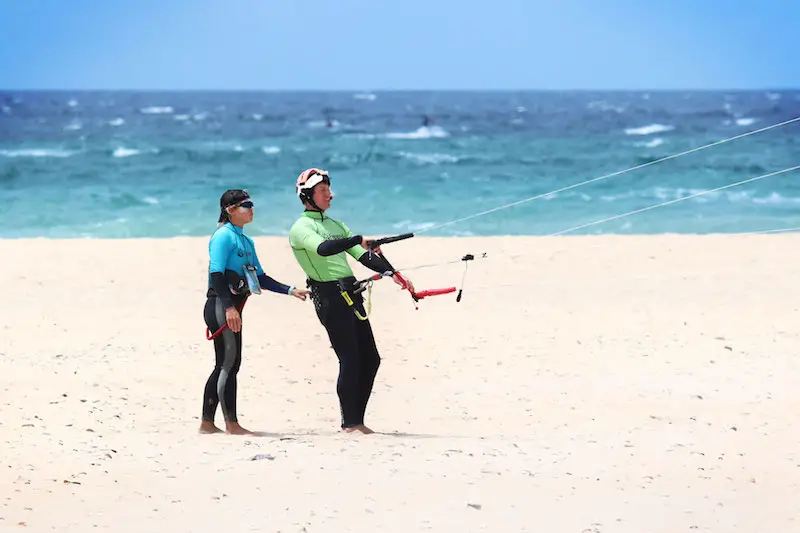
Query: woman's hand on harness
(403, 282)
(233, 319)
(300, 294)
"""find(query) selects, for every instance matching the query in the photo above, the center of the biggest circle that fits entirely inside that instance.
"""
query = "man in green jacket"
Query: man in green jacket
(321, 245)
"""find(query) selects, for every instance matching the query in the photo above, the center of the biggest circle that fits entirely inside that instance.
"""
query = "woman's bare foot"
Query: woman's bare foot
(207, 428)
(233, 428)
(361, 428)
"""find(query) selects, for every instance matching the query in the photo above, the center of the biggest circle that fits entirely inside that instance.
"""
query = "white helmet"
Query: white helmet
(307, 180)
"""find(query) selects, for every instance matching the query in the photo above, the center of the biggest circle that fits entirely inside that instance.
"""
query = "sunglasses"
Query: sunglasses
(246, 204)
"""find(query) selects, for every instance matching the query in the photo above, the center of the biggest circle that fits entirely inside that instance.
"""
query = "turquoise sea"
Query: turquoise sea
(154, 164)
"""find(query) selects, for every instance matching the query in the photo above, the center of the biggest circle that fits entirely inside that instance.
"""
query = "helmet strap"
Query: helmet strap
(308, 196)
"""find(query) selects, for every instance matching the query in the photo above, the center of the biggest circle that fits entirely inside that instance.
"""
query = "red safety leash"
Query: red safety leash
(211, 336)
(417, 296)
(433, 292)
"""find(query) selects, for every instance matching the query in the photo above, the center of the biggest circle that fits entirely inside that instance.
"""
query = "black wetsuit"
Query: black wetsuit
(220, 388)
(351, 338)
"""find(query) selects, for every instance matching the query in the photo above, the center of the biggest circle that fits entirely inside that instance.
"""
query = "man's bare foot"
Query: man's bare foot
(233, 428)
(361, 428)
(207, 428)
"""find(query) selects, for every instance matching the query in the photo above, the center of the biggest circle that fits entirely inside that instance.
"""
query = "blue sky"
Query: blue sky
(411, 44)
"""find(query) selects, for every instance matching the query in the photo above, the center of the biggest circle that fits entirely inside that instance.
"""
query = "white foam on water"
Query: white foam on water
(423, 132)
(649, 129)
(658, 141)
(430, 159)
(421, 225)
(37, 152)
(121, 151)
(157, 110)
(775, 199)
(602, 105)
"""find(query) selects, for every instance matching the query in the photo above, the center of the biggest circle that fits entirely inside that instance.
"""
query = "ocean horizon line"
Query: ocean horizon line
(403, 90)
(515, 236)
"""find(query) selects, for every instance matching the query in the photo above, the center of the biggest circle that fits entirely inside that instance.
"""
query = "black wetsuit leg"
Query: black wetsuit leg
(221, 384)
(354, 344)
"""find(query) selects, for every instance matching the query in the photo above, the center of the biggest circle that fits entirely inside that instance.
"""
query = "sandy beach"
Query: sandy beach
(583, 384)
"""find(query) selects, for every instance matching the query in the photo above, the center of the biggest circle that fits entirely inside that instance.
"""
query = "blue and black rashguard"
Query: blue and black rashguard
(230, 250)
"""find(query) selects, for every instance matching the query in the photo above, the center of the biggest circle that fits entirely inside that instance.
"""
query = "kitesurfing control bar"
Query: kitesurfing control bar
(372, 245)
(386, 240)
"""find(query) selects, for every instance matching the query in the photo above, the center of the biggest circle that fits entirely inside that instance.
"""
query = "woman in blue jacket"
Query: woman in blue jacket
(234, 274)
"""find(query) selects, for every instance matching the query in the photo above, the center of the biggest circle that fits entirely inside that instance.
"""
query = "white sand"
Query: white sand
(583, 384)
